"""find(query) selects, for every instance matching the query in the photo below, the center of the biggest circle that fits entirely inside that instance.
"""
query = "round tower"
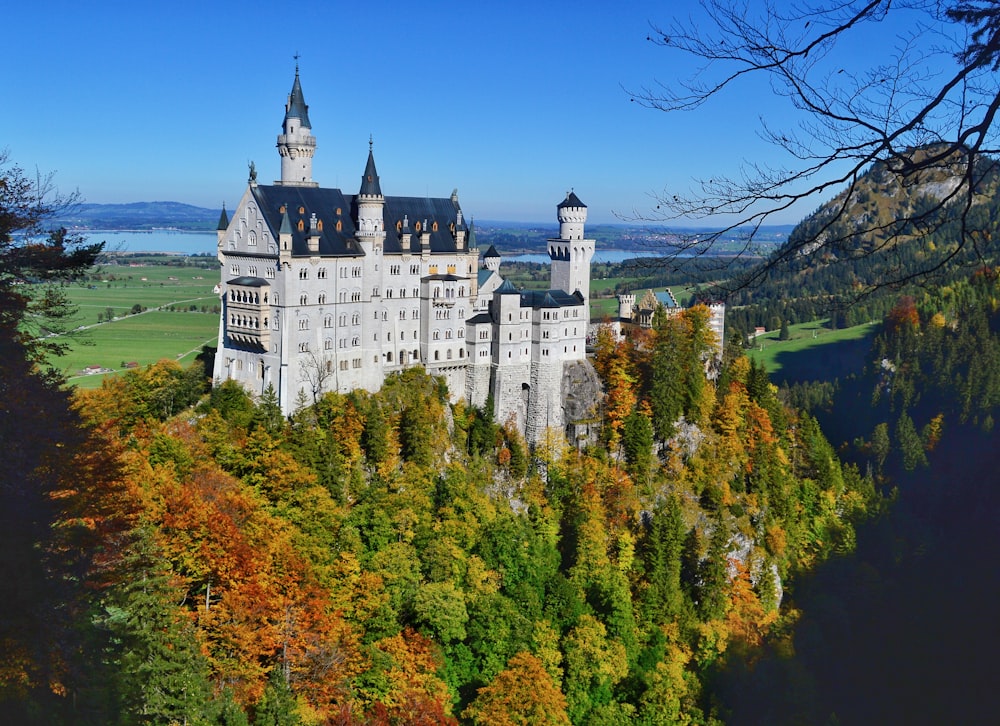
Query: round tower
(491, 259)
(571, 253)
(296, 144)
(626, 303)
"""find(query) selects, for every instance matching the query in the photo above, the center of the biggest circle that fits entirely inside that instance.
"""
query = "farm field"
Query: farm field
(181, 315)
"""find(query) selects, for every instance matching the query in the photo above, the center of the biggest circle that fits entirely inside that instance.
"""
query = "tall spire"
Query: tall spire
(296, 106)
(296, 144)
(369, 181)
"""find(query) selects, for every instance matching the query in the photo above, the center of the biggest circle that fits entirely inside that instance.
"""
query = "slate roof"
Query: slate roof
(491, 252)
(324, 203)
(223, 220)
(249, 282)
(571, 200)
(549, 299)
(369, 180)
(297, 107)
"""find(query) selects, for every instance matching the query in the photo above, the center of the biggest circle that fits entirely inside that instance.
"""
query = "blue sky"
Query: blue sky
(513, 103)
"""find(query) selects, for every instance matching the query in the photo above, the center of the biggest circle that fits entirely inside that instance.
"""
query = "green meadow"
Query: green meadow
(181, 314)
(813, 351)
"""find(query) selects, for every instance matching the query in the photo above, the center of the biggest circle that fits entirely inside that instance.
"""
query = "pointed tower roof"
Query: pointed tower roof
(491, 252)
(286, 224)
(369, 181)
(471, 239)
(571, 200)
(296, 107)
(507, 288)
(223, 220)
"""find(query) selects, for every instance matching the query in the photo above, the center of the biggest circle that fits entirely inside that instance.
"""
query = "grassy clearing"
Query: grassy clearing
(813, 351)
(182, 315)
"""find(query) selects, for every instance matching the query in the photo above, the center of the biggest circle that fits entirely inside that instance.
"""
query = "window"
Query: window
(303, 299)
(269, 273)
(303, 323)
(356, 319)
(328, 344)
(321, 273)
(252, 271)
(328, 321)
(322, 298)
(235, 269)
(303, 347)
(414, 269)
(402, 315)
(393, 269)
(343, 365)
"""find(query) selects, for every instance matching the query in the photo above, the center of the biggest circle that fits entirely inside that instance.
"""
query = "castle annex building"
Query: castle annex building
(324, 290)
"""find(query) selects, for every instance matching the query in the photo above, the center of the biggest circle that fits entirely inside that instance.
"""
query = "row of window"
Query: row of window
(246, 296)
(251, 271)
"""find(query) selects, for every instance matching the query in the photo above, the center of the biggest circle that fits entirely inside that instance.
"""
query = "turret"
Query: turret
(626, 303)
(491, 259)
(370, 201)
(572, 216)
(285, 240)
(223, 225)
(296, 144)
(571, 253)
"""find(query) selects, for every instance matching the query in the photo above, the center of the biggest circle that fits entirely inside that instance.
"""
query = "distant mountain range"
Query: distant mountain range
(139, 216)
(509, 236)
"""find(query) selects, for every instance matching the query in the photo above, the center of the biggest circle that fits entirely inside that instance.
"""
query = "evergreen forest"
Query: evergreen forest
(721, 551)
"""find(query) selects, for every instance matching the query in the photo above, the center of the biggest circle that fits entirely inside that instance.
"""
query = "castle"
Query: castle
(328, 291)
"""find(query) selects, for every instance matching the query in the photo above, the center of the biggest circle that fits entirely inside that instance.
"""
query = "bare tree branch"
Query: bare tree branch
(928, 111)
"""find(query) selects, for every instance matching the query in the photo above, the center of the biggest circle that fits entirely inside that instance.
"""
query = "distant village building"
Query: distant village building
(324, 290)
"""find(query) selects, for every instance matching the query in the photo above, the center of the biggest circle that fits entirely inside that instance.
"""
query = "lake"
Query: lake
(161, 240)
(194, 243)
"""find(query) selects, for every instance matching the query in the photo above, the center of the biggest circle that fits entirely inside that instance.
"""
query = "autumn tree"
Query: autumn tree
(523, 694)
(31, 257)
(853, 111)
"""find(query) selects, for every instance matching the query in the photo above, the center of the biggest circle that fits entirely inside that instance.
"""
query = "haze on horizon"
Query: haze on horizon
(513, 104)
